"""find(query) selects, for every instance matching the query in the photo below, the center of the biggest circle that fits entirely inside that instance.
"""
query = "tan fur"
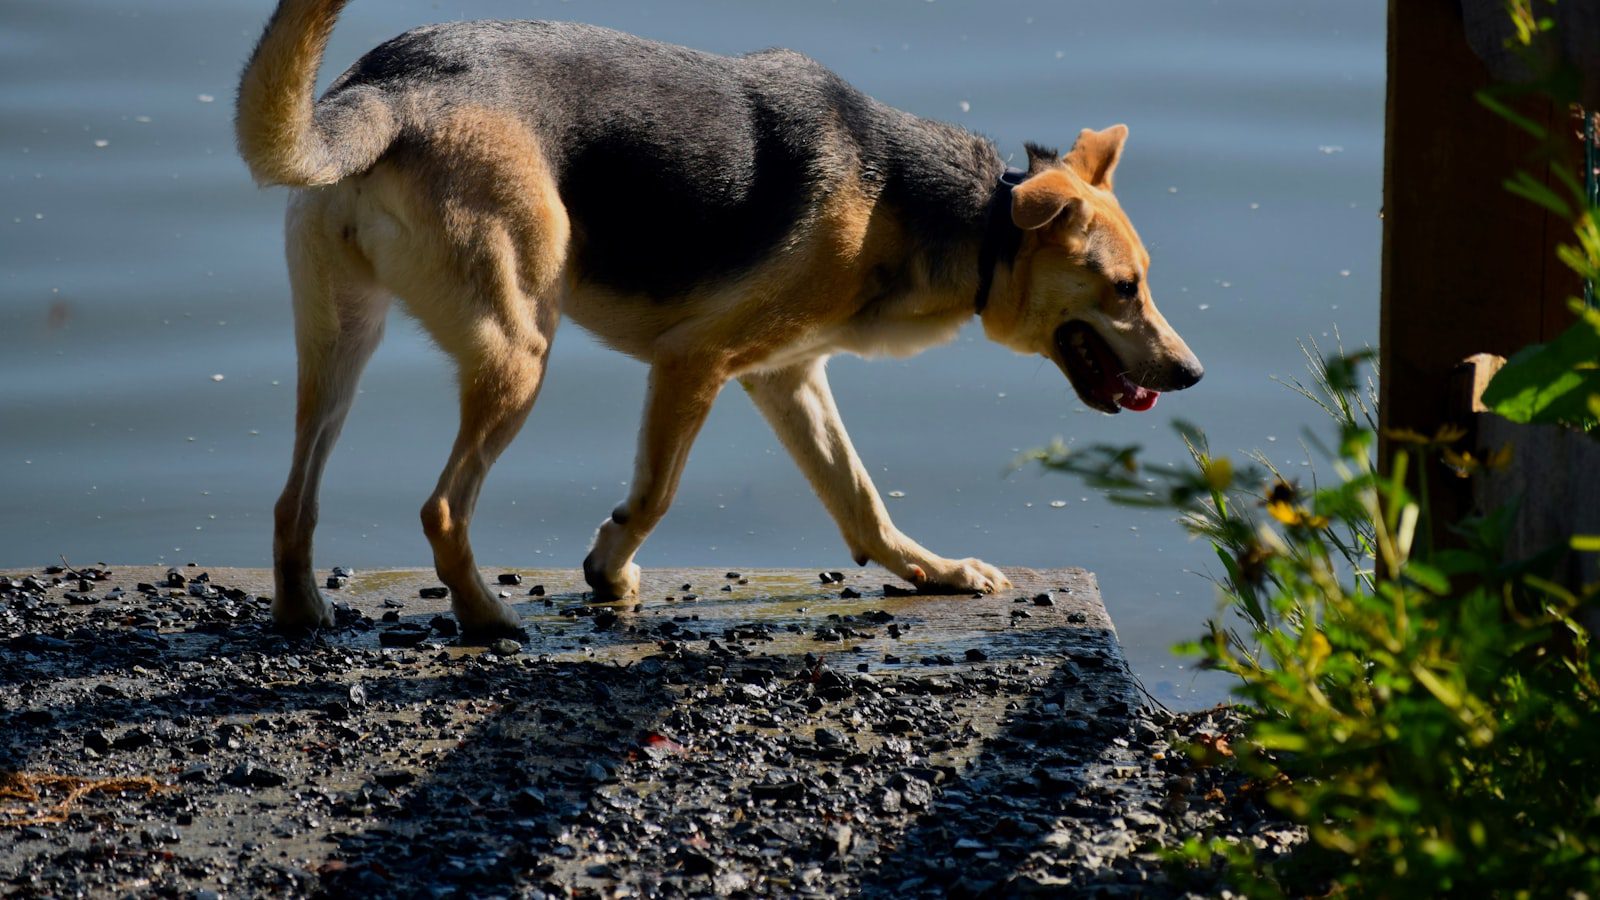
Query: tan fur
(273, 119)
(1095, 155)
(1055, 285)
(465, 226)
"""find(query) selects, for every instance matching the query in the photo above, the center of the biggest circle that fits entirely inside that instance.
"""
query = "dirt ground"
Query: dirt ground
(763, 733)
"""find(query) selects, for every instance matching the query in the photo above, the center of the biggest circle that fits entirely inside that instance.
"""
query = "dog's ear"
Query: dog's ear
(1043, 198)
(1095, 155)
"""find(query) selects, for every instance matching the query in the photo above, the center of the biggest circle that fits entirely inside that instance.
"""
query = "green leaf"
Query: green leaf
(1354, 441)
(1526, 186)
(1451, 561)
(1282, 740)
(1428, 578)
(1551, 383)
(1586, 543)
(1510, 115)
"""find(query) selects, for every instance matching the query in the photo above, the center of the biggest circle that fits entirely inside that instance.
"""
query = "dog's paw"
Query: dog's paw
(623, 586)
(959, 576)
(301, 613)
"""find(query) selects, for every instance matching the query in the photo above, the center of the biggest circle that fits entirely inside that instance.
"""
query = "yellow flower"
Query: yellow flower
(1466, 462)
(1281, 506)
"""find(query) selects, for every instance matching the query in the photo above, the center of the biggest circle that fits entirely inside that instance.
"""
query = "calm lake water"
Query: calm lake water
(137, 263)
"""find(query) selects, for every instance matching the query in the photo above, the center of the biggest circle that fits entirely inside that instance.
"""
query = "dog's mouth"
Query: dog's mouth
(1096, 372)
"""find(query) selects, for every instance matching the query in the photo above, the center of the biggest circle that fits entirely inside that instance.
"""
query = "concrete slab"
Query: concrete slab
(793, 608)
(759, 732)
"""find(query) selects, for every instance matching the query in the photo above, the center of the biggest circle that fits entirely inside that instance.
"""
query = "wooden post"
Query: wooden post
(1467, 266)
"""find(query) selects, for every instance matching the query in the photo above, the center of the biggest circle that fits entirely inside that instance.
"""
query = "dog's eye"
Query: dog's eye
(1127, 289)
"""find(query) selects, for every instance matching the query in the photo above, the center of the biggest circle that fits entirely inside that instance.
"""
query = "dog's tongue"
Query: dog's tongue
(1136, 398)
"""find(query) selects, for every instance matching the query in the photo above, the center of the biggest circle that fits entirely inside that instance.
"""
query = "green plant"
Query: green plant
(1431, 716)
(1557, 382)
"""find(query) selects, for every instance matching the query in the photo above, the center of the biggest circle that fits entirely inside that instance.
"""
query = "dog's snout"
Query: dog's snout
(1187, 374)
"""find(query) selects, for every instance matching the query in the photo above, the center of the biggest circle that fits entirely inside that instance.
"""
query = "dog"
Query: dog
(716, 217)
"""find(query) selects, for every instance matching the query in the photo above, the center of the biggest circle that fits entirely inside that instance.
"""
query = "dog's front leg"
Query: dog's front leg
(799, 405)
(680, 397)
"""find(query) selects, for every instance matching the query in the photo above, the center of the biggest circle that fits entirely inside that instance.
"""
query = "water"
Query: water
(137, 263)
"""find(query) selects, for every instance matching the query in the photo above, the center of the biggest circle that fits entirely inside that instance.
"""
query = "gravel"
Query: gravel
(938, 747)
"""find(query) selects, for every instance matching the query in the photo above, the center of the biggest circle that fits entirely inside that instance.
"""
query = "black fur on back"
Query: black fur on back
(679, 168)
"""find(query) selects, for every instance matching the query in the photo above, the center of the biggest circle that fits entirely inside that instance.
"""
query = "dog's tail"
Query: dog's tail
(284, 136)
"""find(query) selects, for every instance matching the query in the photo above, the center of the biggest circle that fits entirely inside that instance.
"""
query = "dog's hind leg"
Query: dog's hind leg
(500, 373)
(799, 405)
(681, 393)
(338, 319)
(479, 257)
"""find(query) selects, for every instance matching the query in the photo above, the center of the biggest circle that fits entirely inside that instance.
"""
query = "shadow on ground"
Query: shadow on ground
(761, 746)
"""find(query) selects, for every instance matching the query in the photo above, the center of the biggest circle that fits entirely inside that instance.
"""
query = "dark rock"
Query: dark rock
(394, 778)
(433, 593)
(695, 863)
(510, 578)
(1115, 710)
(829, 737)
(253, 775)
(444, 625)
(1045, 599)
(528, 800)
(505, 647)
(133, 740)
(402, 636)
(41, 643)
(781, 790)
(849, 594)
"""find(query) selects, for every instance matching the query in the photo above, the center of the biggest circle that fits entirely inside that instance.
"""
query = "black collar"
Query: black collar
(1001, 237)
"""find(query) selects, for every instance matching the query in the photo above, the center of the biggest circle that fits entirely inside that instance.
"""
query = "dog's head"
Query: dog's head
(1078, 292)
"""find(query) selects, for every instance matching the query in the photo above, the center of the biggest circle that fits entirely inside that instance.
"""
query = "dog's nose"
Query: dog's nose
(1187, 374)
